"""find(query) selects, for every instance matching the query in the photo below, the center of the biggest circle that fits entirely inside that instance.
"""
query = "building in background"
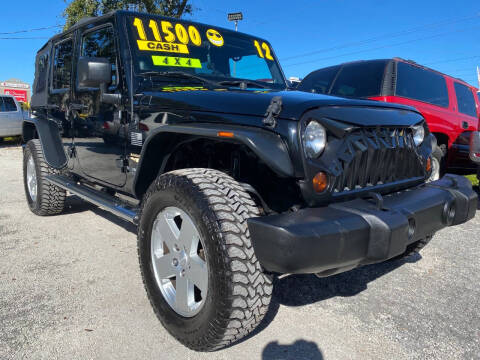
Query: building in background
(17, 88)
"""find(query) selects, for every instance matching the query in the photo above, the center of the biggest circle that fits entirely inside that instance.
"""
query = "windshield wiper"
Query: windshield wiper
(179, 74)
(243, 84)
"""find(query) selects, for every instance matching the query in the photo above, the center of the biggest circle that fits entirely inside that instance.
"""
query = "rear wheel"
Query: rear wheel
(43, 198)
(197, 261)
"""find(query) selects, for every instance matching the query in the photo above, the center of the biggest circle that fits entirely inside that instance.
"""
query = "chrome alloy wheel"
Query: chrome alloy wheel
(179, 262)
(32, 179)
(435, 175)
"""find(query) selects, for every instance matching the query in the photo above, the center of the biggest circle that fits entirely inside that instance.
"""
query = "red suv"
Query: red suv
(450, 106)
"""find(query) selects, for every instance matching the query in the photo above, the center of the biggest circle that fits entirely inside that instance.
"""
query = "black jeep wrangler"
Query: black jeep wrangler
(188, 131)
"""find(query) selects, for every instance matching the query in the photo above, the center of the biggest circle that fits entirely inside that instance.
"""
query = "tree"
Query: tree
(77, 9)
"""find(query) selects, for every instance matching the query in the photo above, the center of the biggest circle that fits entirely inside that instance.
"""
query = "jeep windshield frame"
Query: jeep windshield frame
(165, 45)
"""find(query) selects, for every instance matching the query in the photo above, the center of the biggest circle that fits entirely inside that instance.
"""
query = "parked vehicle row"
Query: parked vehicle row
(11, 117)
(230, 178)
(450, 106)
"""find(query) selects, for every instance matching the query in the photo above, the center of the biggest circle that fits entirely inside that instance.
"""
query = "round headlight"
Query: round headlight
(314, 139)
(418, 134)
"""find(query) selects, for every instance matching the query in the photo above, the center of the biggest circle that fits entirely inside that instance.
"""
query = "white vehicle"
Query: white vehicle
(11, 117)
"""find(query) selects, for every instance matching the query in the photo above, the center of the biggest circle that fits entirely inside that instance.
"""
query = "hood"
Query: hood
(294, 104)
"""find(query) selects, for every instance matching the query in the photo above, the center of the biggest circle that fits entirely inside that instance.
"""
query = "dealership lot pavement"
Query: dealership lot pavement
(70, 289)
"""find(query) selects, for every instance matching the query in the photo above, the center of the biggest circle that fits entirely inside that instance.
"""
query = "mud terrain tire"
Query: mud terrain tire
(239, 291)
(48, 199)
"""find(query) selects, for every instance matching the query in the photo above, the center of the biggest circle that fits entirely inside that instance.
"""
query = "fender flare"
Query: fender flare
(268, 146)
(48, 133)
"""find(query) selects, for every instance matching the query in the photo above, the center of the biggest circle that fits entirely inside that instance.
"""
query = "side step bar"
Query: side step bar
(110, 203)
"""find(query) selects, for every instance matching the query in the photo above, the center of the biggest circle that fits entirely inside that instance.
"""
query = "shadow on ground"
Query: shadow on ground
(299, 350)
(10, 142)
(74, 205)
(300, 290)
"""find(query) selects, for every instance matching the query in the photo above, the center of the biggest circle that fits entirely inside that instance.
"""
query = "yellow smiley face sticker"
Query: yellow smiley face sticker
(215, 37)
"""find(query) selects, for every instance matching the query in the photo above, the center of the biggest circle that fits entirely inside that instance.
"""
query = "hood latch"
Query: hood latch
(273, 110)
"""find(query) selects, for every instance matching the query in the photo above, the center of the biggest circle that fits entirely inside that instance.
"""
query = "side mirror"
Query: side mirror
(93, 72)
(97, 73)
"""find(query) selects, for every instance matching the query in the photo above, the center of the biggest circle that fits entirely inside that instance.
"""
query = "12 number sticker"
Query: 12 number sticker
(263, 50)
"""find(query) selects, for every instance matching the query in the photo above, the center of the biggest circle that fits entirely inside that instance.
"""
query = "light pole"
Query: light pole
(235, 17)
(478, 75)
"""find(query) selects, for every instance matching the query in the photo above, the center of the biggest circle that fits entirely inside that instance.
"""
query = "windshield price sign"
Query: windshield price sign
(167, 37)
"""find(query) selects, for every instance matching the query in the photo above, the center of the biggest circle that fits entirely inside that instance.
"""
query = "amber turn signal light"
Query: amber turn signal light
(320, 182)
(225, 134)
(428, 165)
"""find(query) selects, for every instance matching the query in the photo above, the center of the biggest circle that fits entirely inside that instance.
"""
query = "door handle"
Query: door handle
(465, 124)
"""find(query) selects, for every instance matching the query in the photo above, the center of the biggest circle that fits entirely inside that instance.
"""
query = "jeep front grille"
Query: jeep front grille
(371, 157)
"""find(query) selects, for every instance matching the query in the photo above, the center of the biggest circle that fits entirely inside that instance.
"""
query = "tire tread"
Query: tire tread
(51, 198)
(251, 288)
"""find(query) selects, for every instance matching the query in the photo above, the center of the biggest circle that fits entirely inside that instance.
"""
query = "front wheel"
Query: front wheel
(197, 261)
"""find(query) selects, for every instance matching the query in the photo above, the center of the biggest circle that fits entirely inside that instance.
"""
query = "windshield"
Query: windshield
(214, 54)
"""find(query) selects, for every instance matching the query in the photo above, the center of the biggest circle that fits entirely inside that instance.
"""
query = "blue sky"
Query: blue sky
(306, 34)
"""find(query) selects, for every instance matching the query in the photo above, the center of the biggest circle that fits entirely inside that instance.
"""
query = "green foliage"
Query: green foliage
(77, 9)
(473, 179)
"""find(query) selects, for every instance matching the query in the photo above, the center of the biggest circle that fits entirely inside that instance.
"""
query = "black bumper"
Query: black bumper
(342, 236)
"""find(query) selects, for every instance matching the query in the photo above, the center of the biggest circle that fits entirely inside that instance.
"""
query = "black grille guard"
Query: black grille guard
(376, 157)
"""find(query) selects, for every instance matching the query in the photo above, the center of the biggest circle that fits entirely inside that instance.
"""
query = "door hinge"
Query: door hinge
(273, 111)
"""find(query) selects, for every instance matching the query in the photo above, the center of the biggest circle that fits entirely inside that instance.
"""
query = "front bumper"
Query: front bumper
(342, 236)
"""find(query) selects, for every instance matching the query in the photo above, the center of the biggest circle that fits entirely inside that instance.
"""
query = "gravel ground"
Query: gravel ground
(70, 288)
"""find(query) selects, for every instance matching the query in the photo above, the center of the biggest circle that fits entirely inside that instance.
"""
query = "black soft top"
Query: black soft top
(123, 13)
